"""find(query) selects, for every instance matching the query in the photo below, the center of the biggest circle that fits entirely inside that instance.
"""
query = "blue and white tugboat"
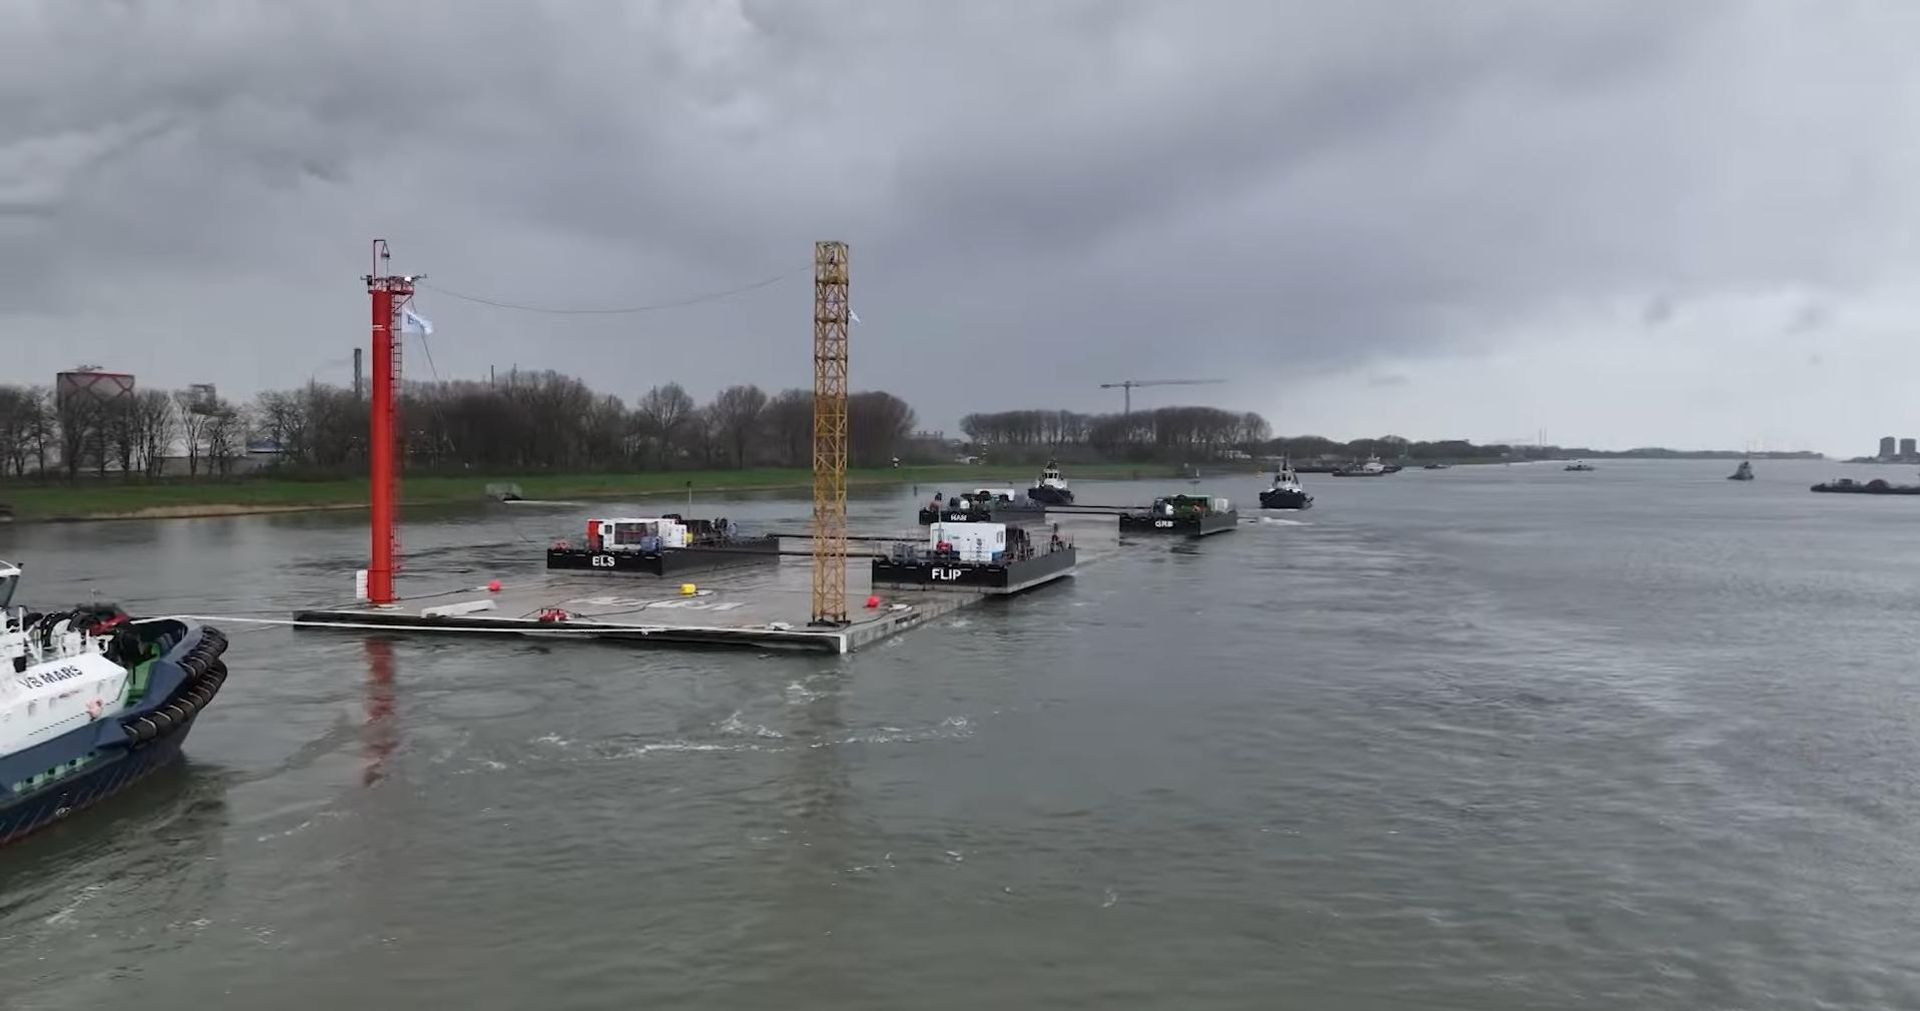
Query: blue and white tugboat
(91, 702)
(1052, 488)
(1286, 492)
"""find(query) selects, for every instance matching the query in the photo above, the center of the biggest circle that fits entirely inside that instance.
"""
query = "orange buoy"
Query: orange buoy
(873, 602)
(493, 586)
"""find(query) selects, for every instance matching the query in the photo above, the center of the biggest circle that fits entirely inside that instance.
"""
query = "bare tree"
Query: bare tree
(22, 421)
(194, 422)
(701, 436)
(157, 427)
(44, 428)
(664, 412)
(737, 412)
(1253, 431)
(789, 417)
(79, 418)
(281, 418)
(226, 436)
(878, 427)
(121, 423)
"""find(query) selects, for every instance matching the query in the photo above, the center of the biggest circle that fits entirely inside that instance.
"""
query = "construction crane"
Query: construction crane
(830, 313)
(1127, 386)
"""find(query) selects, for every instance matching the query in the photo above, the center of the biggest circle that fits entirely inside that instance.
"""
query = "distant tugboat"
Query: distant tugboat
(996, 559)
(1286, 492)
(980, 506)
(660, 546)
(1877, 486)
(1579, 465)
(1744, 472)
(92, 702)
(1193, 515)
(1052, 489)
(1372, 468)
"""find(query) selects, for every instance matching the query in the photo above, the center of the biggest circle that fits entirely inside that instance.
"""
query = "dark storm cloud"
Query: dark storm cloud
(1074, 191)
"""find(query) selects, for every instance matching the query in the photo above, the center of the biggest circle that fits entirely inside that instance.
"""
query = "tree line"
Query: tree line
(540, 421)
(1163, 433)
(132, 435)
(1195, 434)
(547, 421)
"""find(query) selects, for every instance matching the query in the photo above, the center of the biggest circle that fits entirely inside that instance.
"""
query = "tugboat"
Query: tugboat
(662, 545)
(980, 506)
(1193, 515)
(1286, 492)
(1579, 465)
(1744, 472)
(92, 702)
(996, 559)
(1877, 486)
(1052, 488)
(1371, 468)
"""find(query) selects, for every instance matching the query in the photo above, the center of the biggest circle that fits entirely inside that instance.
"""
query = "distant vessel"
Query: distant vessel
(1877, 486)
(996, 559)
(1579, 465)
(1052, 488)
(1744, 472)
(980, 506)
(1193, 515)
(1437, 466)
(662, 545)
(1371, 468)
(1286, 492)
(92, 702)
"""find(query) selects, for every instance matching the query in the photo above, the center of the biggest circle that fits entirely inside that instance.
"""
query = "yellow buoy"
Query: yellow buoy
(687, 590)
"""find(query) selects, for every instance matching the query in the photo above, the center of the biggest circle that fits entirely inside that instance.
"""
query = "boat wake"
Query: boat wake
(1275, 521)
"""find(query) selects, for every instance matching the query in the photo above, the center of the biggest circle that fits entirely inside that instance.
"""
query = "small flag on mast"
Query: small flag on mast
(413, 322)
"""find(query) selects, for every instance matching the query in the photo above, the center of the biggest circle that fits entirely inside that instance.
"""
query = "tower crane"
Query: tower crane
(1126, 386)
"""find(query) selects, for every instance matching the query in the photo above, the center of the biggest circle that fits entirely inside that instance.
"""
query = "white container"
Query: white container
(972, 542)
(624, 533)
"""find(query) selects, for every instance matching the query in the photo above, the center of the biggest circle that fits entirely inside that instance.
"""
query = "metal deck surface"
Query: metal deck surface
(756, 607)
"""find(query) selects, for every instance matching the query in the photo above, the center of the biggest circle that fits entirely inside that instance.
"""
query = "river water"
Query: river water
(1484, 738)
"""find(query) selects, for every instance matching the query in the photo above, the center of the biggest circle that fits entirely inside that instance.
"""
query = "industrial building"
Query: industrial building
(1892, 450)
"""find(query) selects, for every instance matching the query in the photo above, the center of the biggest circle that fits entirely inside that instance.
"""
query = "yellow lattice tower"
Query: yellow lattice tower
(829, 433)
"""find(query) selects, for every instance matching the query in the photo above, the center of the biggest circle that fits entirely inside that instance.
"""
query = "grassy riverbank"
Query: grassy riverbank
(113, 499)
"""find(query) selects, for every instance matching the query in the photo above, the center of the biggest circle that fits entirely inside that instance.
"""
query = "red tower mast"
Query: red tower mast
(389, 294)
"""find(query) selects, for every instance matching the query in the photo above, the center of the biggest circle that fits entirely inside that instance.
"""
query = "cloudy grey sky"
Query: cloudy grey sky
(1623, 222)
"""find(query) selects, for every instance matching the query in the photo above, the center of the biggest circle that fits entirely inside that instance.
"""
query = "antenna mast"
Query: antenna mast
(387, 294)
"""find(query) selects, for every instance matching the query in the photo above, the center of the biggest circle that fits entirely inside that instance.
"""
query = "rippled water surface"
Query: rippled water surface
(1484, 738)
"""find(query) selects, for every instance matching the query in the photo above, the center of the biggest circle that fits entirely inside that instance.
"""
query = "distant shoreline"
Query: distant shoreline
(95, 500)
(99, 500)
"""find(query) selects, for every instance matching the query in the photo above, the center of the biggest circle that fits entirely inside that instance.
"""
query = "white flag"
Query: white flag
(854, 316)
(413, 322)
